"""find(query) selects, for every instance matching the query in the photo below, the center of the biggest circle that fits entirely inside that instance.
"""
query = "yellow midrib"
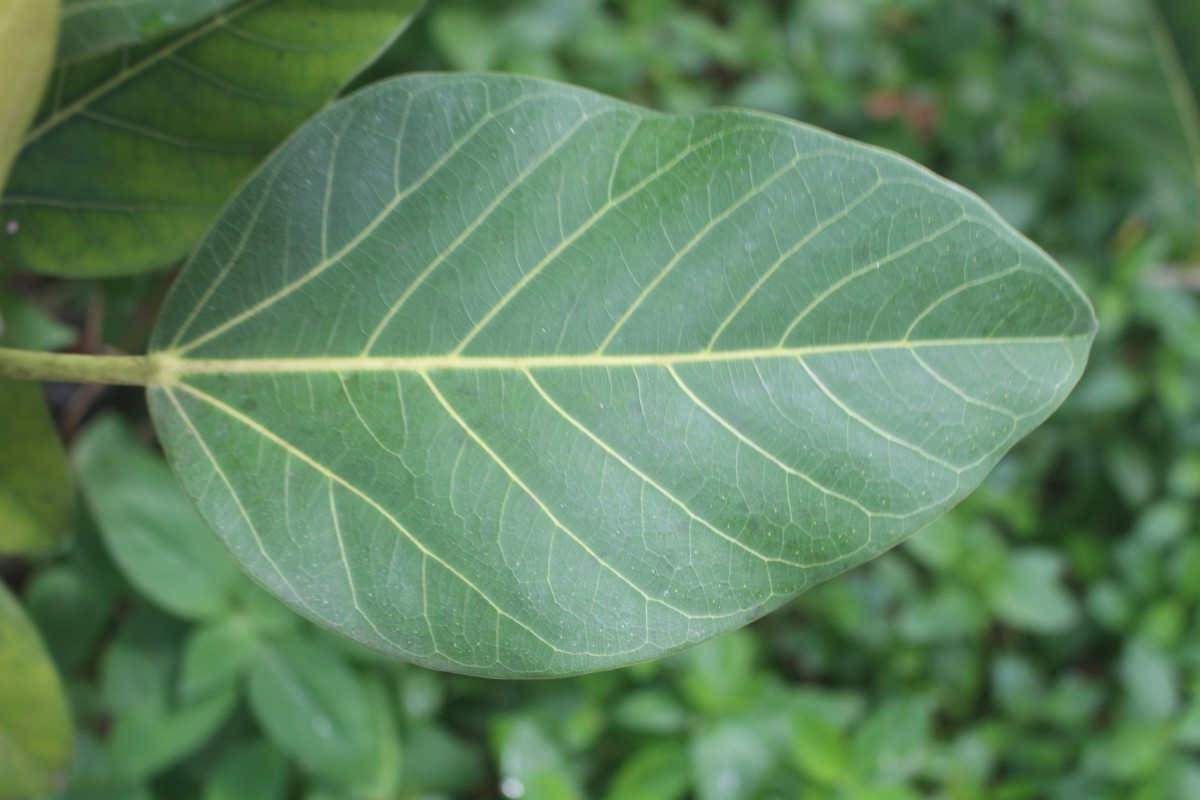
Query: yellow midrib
(169, 365)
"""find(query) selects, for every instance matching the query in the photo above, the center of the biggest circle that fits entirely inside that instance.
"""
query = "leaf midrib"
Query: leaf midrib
(171, 366)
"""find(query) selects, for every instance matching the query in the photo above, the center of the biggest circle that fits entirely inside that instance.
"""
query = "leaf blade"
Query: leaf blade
(644, 418)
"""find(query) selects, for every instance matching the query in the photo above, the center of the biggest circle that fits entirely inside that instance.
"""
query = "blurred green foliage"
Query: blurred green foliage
(1040, 641)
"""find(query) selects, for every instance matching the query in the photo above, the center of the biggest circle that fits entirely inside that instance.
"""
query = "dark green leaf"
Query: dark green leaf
(138, 150)
(509, 378)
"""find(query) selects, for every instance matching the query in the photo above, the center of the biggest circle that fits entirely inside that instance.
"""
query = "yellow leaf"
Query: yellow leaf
(35, 723)
(28, 37)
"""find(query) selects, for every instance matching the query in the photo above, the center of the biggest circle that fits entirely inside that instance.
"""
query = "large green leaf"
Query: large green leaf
(35, 724)
(28, 31)
(92, 27)
(505, 377)
(137, 151)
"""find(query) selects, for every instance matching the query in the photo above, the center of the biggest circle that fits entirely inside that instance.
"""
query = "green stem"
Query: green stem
(34, 366)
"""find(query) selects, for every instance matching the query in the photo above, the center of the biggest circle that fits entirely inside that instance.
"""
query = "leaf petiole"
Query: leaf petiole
(72, 368)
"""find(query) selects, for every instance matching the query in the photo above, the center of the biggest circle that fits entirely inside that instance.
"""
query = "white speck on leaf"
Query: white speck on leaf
(11, 227)
(511, 787)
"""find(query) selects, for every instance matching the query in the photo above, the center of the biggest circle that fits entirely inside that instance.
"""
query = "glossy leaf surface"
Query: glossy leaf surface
(93, 27)
(35, 724)
(509, 378)
(136, 151)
